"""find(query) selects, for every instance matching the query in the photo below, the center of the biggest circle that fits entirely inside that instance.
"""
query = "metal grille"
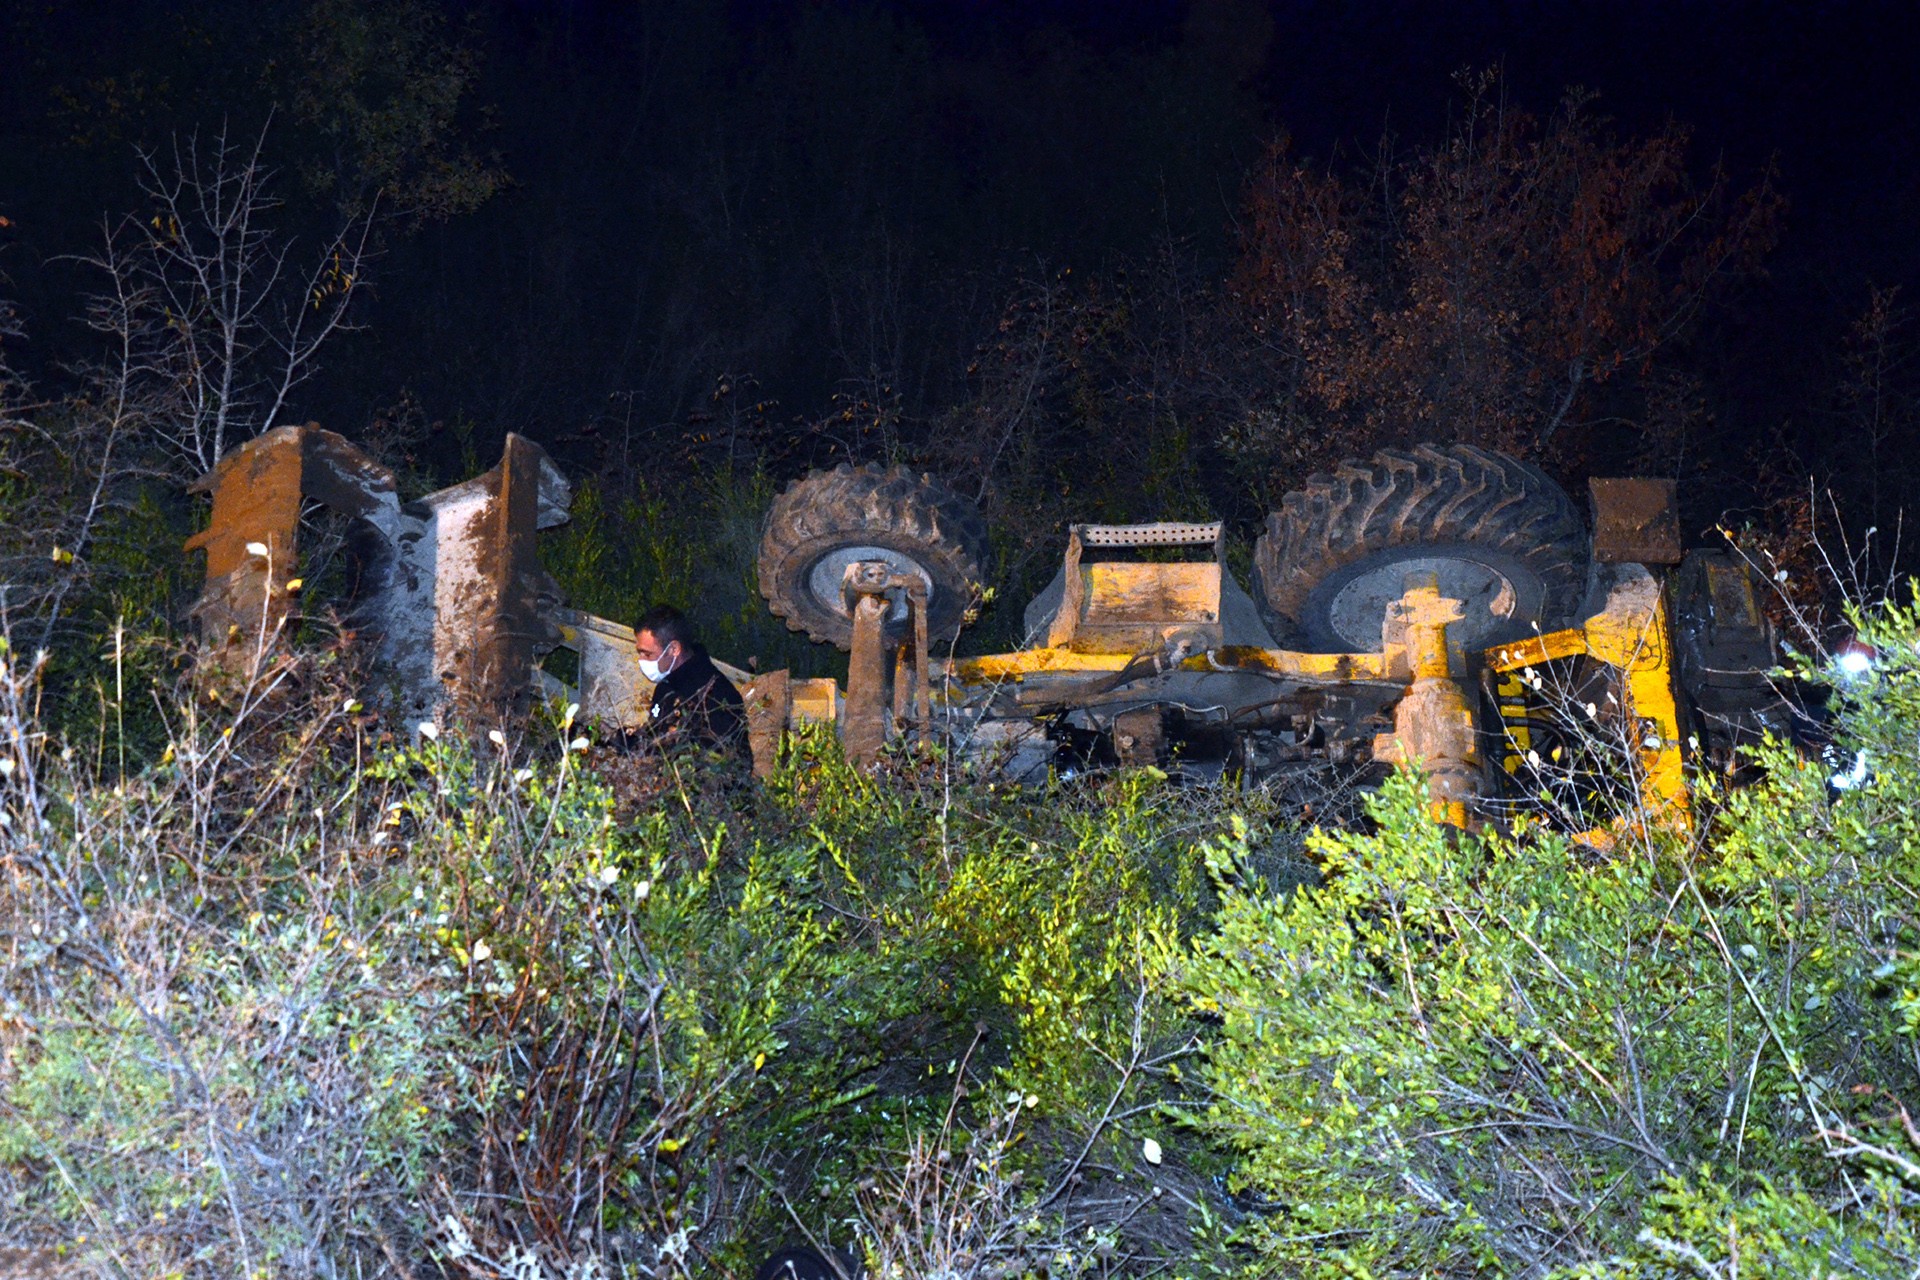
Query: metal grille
(1166, 534)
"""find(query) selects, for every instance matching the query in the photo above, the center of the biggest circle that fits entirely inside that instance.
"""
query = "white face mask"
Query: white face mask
(651, 669)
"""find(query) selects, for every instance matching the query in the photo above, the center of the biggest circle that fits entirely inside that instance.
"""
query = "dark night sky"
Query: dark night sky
(697, 184)
(1828, 91)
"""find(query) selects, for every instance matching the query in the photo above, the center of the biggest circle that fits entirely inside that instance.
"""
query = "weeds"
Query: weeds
(309, 996)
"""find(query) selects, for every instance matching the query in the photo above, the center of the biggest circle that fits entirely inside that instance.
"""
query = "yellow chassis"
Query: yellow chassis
(1632, 634)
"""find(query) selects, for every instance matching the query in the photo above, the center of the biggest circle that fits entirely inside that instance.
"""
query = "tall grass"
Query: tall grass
(304, 993)
(310, 994)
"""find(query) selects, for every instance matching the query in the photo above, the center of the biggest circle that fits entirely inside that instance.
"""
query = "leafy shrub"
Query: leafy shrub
(1515, 1053)
(308, 995)
(305, 996)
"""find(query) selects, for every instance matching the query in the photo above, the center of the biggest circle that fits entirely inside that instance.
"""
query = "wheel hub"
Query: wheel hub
(1487, 597)
(829, 572)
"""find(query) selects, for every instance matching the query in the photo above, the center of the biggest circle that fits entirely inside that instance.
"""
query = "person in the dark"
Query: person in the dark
(692, 702)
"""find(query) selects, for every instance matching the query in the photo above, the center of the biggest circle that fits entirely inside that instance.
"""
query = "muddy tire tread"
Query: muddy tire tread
(1408, 498)
(886, 506)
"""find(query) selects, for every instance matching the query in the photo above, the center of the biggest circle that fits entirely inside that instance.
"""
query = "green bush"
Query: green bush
(308, 995)
(303, 996)
(1517, 1054)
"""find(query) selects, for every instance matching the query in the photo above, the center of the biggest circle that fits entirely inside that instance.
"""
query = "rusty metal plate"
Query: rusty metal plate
(1635, 520)
(491, 602)
(769, 700)
(454, 593)
(256, 491)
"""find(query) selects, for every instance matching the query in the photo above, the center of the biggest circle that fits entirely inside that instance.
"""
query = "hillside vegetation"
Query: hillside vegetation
(296, 997)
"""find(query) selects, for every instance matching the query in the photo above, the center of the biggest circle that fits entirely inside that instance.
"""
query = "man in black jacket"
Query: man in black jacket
(692, 702)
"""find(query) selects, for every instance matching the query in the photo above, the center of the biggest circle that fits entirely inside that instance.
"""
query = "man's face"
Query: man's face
(647, 645)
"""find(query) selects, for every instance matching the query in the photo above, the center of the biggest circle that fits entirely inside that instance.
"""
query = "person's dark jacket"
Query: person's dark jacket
(695, 704)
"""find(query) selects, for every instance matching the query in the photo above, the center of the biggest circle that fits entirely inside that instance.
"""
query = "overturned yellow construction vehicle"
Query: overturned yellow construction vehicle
(1444, 605)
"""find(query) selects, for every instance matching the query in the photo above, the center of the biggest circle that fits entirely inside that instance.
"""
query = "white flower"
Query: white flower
(481, 951)
(1151, 1150)
(496, 737)
(455, 1240)
(579, 744)
(379, 838)
(674, 1248)
(609, 874)
(429, 730)
(6, 768)
(257, 549)
(523, 775)
(641, 890)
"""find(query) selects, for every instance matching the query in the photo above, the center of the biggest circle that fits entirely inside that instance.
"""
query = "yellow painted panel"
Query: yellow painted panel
(1130, 638)
(1050, 661)
(1162, 594)
(1532, 652)
(1650, 688)
(1285, 662)
(1632, 643)
(815, 701)
(994, 667)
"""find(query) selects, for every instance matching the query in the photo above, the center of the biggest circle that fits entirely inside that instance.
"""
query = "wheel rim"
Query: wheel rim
(1493, 600)
(826, 578)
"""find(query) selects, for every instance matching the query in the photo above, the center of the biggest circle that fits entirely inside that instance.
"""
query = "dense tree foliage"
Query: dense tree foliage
(1522, 285)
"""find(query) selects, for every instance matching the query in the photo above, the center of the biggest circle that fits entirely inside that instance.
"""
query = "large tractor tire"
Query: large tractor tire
(827, 520)
(1495, 532)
